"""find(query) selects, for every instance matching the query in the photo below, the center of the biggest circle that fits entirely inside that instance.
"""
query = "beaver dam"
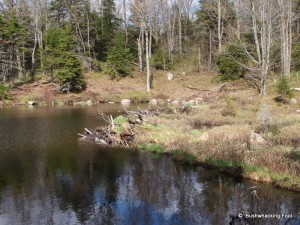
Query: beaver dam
(121, 131)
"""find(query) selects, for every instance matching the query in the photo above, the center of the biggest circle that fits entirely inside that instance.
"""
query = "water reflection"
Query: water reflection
(47, 177)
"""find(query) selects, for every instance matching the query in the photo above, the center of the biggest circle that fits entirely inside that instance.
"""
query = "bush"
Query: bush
(4, 92)
(227, 61)
(283, 88)
(159, 60)
(230, 108)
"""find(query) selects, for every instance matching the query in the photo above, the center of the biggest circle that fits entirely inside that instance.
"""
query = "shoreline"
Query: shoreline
(164, 133)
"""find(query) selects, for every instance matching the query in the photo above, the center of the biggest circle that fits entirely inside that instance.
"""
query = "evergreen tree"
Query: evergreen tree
(61, 60)
(13, 38)
(119, 57)
(105, 27)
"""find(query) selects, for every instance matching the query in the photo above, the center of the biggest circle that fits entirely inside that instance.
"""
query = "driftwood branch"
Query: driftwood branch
(217, 89)
(194, 88)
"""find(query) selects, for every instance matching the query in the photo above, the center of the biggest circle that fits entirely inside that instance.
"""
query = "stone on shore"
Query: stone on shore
(153, 102)
(32, 103)
(125, 101)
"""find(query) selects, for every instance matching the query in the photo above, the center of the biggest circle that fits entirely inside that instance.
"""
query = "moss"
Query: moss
(120, 120)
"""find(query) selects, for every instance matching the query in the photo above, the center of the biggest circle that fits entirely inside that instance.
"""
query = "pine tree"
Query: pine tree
(119, 57)
(61, 60)
(105, 28)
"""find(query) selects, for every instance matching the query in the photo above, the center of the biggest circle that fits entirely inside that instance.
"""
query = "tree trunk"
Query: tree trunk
(147, 62)
(179, 28)
(219, 26)
(140, 52)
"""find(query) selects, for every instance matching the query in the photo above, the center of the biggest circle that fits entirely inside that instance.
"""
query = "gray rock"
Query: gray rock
(294, 101)
(153, 102)
(296, 89)
(32, 103)
(125, 101)
(298, 110)
(89, 102)
(170, 76)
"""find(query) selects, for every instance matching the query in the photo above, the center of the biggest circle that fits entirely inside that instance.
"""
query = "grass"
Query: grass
(137, 96)
(35, 96)
(206, 135)
(156, 148)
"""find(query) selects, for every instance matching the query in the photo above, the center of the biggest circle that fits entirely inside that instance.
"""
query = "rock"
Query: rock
(32, 103)
(175, 102)
(89, 102)
(192, 102)
(170, 76)
(153, 102)
(77, 103)
(111, 103)
(298, 110)
(256, 139)
(168, 100)
(125, 101)
(294, 101)
(296, 89)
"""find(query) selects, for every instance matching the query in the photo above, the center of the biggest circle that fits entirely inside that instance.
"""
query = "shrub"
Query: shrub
(160, 60)
(229, 109)
(4, 92)
(283, 88)
(228, 63)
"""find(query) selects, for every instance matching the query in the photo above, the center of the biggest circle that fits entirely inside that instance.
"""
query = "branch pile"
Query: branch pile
(119, 132)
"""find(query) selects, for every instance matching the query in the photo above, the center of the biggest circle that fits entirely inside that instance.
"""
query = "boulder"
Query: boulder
(294, 101)
(125, 101)
(296, 89)
(32, 103)
(170, 76)
(89, 102)
(153, 102)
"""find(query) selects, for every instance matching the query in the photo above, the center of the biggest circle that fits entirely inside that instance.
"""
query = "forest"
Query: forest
(61, 40)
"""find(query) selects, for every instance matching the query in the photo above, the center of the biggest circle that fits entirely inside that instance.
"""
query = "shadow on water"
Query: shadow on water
(48, 177)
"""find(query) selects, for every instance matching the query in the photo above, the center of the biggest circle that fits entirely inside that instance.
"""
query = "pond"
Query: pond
(47, 176)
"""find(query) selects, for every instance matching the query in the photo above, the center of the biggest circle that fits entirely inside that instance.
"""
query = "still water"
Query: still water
(47, 176)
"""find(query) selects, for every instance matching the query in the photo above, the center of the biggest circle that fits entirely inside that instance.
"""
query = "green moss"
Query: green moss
(119, 129)
(189, 158)
(120, 120)
(152, 148)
